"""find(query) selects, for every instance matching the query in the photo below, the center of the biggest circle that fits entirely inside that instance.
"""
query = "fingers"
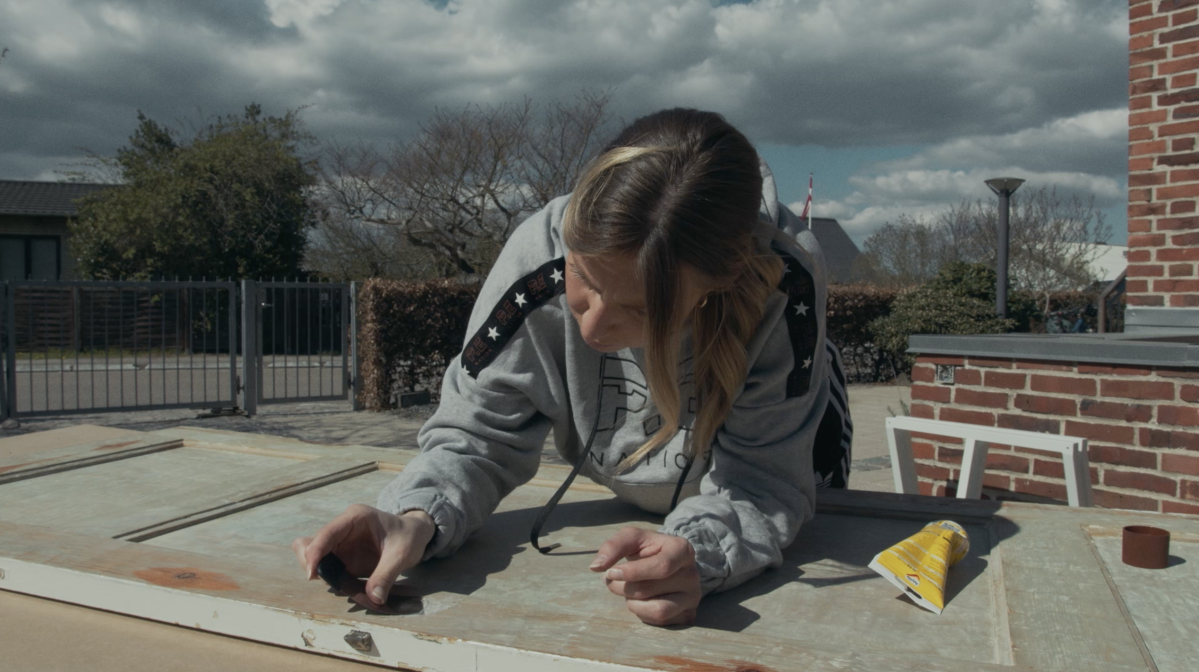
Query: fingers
(396, 557)
(407, 537)
(685, 580)
(299, 546)
(334, 533)
(660, 582)
(628, 541)
(672, 555)
(672, 609)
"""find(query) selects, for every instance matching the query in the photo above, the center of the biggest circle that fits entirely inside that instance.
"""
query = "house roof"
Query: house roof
(839, 251)
(19, 197)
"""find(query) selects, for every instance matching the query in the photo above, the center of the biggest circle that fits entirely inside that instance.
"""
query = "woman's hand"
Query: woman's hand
(660, 582)
(369, 542)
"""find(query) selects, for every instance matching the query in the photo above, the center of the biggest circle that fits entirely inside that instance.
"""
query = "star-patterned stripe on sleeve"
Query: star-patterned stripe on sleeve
(800, 289)
(522, 298)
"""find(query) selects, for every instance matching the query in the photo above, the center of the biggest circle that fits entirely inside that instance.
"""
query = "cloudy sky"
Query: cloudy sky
(896, 106)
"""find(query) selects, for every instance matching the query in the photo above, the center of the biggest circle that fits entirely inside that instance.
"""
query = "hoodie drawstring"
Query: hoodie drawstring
(549, 507)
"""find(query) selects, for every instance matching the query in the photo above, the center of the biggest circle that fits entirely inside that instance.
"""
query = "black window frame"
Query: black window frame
(28, 240)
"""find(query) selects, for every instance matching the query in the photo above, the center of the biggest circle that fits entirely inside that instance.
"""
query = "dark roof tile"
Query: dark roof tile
(18, 197)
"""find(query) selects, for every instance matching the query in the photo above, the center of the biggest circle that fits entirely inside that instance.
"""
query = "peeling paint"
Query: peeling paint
(689, 665)
(743, 666)
(428, 638)
(17, 466)
(187, 578)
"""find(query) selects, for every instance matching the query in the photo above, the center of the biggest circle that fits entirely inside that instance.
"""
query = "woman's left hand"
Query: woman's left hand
(660, 582)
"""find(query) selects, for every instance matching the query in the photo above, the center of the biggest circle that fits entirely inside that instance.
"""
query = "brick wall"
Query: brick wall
(1163, 159)
(1141, 424)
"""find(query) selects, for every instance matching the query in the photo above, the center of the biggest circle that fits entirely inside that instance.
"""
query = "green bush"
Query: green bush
(851, 311)
(960, 300)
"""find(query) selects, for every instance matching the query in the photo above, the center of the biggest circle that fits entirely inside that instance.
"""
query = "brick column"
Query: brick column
(1163, 160)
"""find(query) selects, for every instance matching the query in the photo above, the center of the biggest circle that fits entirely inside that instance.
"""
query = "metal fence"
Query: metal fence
(303, 342)
(90, 347)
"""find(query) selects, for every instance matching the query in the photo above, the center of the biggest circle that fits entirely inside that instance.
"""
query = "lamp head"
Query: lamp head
(1001, 185)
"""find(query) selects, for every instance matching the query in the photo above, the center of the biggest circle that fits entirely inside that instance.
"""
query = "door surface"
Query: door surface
(193, 527)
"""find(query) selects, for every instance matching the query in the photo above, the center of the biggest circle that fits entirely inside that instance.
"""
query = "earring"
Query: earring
(704, 302)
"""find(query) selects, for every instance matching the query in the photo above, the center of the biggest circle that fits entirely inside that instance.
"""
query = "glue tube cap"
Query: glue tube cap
(1146, 547)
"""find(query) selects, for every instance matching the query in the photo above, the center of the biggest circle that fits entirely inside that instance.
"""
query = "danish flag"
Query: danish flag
(807, 206)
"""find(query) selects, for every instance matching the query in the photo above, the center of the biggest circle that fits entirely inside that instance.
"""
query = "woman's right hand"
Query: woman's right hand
(369, 542)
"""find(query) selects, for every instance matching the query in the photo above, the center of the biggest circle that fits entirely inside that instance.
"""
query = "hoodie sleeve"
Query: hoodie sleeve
(760, 486)
(497, 397)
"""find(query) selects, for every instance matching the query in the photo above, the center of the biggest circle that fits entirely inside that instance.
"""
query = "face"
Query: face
(608, 301)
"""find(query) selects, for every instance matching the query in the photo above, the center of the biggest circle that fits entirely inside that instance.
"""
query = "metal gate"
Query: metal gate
(74, 347)
(91, 347)
(302, 347)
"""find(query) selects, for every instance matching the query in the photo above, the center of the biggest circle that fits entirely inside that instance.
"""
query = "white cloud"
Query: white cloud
(299, 12)
(1033, 87)
(882, 198)
(1095, 139)
(919, 185)
(1081, 154)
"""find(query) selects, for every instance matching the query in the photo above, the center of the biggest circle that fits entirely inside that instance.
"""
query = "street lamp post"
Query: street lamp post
(1003, 187)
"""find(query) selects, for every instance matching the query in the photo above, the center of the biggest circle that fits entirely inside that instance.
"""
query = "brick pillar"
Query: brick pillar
(1163, 160)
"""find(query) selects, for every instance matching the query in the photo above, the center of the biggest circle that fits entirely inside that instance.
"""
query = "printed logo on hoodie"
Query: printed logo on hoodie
(628, 419)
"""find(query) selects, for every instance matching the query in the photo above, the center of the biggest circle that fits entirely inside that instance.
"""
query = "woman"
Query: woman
(664, 321)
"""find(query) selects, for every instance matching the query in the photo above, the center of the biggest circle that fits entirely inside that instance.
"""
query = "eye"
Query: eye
(575, 272)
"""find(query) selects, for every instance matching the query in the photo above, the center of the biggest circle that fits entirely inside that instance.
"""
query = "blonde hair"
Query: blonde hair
(681, 188)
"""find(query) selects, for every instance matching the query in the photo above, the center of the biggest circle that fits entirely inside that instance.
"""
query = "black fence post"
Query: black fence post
(354, 387)
(250, 343)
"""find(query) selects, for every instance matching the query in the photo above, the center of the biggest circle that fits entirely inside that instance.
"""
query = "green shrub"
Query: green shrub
(851, 310)
(960, 300)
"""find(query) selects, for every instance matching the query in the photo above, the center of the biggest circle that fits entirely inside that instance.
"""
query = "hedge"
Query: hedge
(851, 309)
(410, 331)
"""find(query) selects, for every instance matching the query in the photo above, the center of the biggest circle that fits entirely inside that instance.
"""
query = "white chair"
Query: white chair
(977, 440)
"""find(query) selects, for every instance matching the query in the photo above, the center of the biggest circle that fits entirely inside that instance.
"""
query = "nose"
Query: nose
(597, 322)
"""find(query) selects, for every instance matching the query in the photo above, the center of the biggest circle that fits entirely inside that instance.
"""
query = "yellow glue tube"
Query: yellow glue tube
(919, 564)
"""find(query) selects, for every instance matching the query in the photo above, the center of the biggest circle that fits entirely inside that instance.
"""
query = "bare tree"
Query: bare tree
(444, 202)
(906, 253)
(1052, 241)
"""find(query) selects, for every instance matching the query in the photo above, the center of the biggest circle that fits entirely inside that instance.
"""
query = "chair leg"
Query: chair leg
(974, 463)
(1078, 474)
(903, 465)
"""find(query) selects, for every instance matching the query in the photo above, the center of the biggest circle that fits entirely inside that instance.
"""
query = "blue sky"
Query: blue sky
(897, 106)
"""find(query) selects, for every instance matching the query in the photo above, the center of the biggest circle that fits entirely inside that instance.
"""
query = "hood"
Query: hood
(769, 210)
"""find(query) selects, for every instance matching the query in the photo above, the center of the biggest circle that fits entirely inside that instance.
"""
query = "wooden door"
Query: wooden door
(194, 527)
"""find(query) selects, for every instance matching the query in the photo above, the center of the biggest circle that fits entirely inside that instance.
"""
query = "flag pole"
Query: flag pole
(807, 206)
(809, 201)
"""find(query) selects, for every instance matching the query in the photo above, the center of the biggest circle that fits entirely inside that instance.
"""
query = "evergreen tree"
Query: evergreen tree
(231, 201)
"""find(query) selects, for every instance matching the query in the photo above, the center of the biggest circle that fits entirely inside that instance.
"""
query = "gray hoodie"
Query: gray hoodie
(525, 370)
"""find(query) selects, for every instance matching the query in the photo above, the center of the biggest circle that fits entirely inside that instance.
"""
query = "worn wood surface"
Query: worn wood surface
(1162, 602)
(206, 523)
